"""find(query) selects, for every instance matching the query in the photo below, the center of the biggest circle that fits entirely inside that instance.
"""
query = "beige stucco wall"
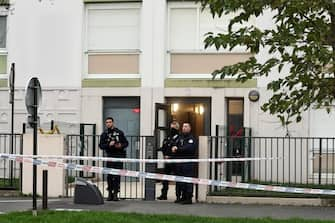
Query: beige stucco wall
(47, 145)
(191, 63)
(113, 64)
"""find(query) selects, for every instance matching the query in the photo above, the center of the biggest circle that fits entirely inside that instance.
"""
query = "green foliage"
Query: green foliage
(7, 183)
(302, 40)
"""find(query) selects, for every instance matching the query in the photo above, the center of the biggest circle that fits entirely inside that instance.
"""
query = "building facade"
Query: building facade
(119, 58)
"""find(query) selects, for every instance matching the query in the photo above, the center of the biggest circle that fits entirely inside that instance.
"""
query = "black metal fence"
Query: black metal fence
(87, 145)
(10, 171)
(290, 160)
(298, 161)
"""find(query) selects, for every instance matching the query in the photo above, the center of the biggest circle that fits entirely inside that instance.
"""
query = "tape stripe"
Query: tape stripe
(123, 172)
(128, 160)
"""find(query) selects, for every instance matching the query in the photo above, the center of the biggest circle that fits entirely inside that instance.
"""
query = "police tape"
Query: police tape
(156, 176)
(130, 160)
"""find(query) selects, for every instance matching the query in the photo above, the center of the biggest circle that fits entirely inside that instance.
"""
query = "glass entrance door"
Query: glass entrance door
(235, 137)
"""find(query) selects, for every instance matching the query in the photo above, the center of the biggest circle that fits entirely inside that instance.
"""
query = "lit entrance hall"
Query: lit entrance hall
(196, 111)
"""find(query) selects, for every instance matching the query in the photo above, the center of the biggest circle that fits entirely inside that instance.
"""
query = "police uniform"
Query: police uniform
(113, 134)
(186, 150)
(169, 168)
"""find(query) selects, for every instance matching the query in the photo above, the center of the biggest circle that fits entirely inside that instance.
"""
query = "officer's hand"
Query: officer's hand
(174, 149)
(166, 157)
(118, 145)
(112, 143)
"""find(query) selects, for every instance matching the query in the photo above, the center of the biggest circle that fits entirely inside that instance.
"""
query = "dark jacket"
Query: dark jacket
(172, 140)
(116, 135)
(187, 148)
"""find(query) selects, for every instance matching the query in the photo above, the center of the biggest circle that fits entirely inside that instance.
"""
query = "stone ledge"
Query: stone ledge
(10, 193)
(271, 201)
(208, 83)
(111, 82)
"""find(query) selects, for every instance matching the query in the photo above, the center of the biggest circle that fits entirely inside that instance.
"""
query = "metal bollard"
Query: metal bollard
(45, 190)
(23, 128)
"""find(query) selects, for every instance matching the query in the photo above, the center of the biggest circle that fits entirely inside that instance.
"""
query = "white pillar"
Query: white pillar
(146, 39)
(203, 167)
(47, 145)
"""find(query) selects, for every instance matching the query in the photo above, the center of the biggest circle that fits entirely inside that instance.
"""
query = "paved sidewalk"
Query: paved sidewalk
(168, 207)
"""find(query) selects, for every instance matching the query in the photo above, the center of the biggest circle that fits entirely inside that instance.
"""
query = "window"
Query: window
(183, 29)
(113, 29)
(188, 25)
(112, 39)
(3, 31)
(187, 57)
(3, 40)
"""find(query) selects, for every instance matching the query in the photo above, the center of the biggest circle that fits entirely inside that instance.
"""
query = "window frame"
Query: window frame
(86, 51)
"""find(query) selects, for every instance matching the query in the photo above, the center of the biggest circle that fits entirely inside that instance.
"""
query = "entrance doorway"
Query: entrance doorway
(126, 114)
(196, 111)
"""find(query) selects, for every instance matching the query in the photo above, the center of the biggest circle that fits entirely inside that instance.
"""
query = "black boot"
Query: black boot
(187, 200)
(180, 197)
(110, 196)
(163, 196)
(115, 197)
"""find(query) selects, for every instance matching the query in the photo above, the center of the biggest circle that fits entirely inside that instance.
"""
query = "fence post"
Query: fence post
(67, 152)
(320, 160)
(249, 155)
(241, 164)
(229, 153)
(94, 132)
(216, 155)
(52, 125)
(150, 184)
(21, 165)
(82, 147)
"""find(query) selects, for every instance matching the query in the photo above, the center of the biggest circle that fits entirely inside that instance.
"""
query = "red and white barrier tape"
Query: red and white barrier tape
(139, 174)
(128, 160)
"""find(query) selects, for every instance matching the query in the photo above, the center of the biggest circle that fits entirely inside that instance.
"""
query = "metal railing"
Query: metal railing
(88, 145)
(291, 160)
(10, 171)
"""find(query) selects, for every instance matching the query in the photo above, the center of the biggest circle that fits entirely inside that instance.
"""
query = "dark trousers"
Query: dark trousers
(113, 181)
(187, 170)
(169, 168)
(179, 185)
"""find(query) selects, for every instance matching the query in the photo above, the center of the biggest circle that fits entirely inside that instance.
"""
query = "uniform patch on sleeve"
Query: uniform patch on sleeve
(190, 141)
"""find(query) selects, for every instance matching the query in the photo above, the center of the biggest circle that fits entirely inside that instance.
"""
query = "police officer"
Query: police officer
(113, 142)
(186, 150)
(169, 168)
